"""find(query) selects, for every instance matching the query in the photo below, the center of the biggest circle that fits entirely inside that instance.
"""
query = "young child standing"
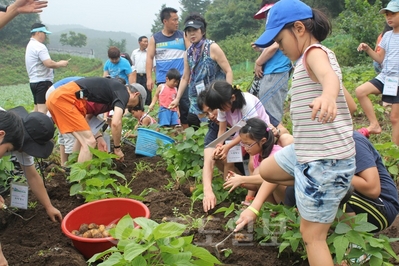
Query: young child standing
(166, 93)
(387, 81)
(322, 157)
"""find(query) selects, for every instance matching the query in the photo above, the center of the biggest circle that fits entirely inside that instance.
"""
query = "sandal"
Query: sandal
(364, 131)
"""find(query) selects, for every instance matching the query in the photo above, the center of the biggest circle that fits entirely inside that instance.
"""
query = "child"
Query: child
(387, 81)
(233, 105)
(322, 158)
(258, 141)
(167, 93)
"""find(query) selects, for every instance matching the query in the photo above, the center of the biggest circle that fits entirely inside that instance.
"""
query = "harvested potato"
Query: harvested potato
(101, 228)
(83, 228)
(75, 232)
(87, 234)
(111, 226)
(93, 226)
(106, 233)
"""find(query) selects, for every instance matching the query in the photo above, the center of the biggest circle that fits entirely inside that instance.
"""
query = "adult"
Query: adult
(139, 57)
(26, 136)
(272, 68)
(39, 66)
(7, 13)
(204, 62)
(68, 108)
(117, 66)
(167, 47)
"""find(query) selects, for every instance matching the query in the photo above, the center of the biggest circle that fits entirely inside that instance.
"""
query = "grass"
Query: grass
(16, 95)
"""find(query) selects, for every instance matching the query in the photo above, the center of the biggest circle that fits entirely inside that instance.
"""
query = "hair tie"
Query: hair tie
(236, 87)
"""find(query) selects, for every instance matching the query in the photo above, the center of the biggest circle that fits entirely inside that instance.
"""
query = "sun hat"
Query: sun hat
(193, 24)
(262, 12)
(282, 13)
(42, 28)
(38, 132)
(143, 93)
(392, 6)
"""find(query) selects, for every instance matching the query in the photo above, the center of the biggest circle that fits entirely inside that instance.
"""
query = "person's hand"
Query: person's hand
(246, 217)
(3, 261)
(326, 107)
(150, 84)
(54, 214)
(233, 180)
(101, 144)
(1, 200)
(30, 6)
(209, 201)
(150, 107)
(258, 71)
(220, 152)
(173, 104)
(363, 47)
(119, 153)
(63, 63)
(256, 48)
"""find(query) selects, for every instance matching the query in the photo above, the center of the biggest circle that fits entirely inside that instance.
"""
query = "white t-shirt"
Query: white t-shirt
(36, 53)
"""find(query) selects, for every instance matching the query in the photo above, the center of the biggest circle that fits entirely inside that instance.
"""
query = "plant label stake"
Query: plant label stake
(221, 242)
(227, 134)
(4, 207)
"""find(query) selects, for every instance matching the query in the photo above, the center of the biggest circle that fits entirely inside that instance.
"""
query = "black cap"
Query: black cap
(39, 132)
(193, 24)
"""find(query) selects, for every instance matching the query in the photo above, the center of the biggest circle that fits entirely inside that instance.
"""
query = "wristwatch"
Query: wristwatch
(3, 8)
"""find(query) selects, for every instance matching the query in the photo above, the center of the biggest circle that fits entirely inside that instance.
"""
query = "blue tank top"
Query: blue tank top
(169, 54)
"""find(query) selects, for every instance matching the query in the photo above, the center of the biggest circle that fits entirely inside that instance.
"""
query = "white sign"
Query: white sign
(235, 154)
(19, 195)
(391, 86)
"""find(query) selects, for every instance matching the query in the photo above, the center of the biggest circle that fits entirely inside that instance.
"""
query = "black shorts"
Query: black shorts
(39, 90)
(380, 86)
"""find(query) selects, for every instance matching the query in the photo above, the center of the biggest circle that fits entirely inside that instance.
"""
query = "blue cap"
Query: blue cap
(282, 13)
(392, 6)
(41, 29)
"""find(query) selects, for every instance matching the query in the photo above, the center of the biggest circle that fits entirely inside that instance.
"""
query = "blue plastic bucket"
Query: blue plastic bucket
(146, 143)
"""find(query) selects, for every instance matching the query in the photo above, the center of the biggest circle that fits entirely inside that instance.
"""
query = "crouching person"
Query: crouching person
(28, 135)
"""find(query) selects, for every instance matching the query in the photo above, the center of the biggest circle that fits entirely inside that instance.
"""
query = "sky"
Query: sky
(116, 15)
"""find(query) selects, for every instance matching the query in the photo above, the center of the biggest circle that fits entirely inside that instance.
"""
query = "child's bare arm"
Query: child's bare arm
(155, 98)
(378, 57)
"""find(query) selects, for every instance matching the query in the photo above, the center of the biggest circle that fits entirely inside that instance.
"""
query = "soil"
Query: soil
(41, 242)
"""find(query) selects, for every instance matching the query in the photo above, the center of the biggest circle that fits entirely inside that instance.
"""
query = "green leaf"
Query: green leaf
(147, 226)
(98, 256)
(355, 238)
(181, 258)
(393, 170)
(139, 261)
(340, 244)
(77, 175)
(202, 254)
(113, 172)
(170, 229)
(342, 228)
(124, 227)
(102, 155)
(365, 227)
(116, 259)
(132, 250)
(75, 189)
(95, 182)
(283, 246)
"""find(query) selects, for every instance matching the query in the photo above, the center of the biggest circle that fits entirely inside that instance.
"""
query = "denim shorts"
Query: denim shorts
(319, 185)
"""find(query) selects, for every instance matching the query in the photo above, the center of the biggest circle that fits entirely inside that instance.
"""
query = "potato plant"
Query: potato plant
(95, 179)
(152, 244)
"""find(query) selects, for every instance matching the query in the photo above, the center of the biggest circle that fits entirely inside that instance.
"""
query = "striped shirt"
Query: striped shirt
(390, 65)
(314, 140)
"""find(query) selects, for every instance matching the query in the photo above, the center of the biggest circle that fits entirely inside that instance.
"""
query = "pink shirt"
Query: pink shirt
(258, 158)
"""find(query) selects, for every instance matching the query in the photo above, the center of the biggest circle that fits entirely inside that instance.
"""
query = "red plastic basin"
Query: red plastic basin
(106, 211)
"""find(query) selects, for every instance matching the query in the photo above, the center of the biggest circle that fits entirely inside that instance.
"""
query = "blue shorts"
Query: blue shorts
(167, 117)
(319, 185)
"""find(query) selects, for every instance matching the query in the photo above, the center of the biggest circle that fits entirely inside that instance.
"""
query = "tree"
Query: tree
(229, 17)
(158, 25)
(121, 45)
(77, 40)
(189, 6)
